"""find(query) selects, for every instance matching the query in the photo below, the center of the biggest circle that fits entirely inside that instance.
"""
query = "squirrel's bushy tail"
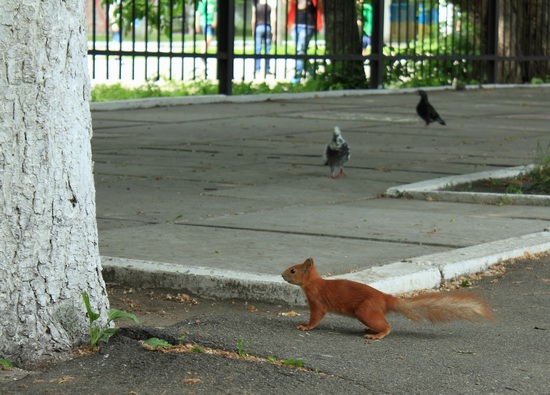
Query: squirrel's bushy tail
(444, 307)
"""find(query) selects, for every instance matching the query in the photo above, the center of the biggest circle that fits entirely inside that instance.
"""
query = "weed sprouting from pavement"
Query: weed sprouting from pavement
(103, 332)
(240, 348)
(5, 364)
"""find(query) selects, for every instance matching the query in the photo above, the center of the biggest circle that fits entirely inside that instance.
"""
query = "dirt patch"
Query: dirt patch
(158, 308)
(525, 184)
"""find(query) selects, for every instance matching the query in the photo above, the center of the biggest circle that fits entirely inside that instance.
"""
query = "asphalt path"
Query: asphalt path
(508, 356)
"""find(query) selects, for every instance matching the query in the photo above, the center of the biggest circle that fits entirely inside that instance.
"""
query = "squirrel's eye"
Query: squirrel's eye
(293, 271)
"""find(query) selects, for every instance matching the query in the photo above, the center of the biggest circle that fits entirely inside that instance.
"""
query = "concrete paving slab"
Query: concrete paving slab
(239, 185)
(251, 250)
(431, 224)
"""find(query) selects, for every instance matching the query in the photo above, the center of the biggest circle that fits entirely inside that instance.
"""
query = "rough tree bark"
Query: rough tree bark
(48, 232)
(343, 38)
(523, 29)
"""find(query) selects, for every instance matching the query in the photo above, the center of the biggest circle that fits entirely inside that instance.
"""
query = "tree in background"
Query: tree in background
(48, 234)
(523, 29)
(343, 37)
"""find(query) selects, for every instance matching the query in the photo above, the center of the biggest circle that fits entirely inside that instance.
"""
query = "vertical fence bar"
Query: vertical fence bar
(94, 35)
(146, 37)
(275, 43)
(285, 26)
(543, 31)
(226, 45)
(408, 37)
(107, 37)
(519, 17)
(159, 33)
(377, 60)
(183, 31)
(133, 39)
(250, 7)
(195, 24)
(492, 69)
(120, 38)
(171, 38)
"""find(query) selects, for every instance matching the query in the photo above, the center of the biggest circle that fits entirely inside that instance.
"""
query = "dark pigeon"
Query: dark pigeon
(426, 111)
(337, 153)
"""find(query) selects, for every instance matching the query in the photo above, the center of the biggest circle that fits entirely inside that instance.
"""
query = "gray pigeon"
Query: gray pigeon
(336, 153)
(426, 111)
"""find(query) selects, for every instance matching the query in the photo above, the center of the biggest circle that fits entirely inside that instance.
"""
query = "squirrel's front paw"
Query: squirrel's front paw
(303, 327)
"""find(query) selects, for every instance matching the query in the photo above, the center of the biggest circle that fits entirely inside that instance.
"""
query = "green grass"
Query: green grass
(535, 181)
(5, 364)
(117, 91)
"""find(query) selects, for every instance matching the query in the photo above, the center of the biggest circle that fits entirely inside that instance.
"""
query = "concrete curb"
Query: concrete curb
(418, 273)
(206, 282)
(134, 104)
(213, 99)
(432, 189)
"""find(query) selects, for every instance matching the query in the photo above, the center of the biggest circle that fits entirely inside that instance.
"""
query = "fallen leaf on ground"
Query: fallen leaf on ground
(291, 313)
(61, 380)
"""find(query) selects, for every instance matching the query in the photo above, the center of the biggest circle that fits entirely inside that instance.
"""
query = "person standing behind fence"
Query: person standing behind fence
(365, 24)
(114, 19)
(205, 20)
(263, 18)
(304, 18)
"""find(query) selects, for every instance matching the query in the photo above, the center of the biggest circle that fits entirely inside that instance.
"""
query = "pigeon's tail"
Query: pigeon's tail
(440, 121)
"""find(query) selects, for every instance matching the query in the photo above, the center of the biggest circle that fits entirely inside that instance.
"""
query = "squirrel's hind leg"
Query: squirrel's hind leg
(375, 321)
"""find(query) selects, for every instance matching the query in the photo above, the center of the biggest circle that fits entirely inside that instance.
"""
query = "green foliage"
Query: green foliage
(240, 348)
(114, 92)
(514, 188)
(103, 333)
(542, 158)
(540, 175)
(183, 336)
(413, 72)
(155, 342)
(293, 362)
(341, 75)
(5, 364)
(159, 14)
(465, 283)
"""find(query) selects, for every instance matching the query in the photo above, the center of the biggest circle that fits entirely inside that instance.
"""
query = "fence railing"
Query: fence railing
(395, 43)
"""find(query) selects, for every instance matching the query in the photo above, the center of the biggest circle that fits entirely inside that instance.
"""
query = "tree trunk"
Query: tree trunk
(523, 29)
(48, 233)
(343, 38)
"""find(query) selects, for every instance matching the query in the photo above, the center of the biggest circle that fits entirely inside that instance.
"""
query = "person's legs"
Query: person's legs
(262, 35)
(258, 40)
(310, 30)
(303, 37)
(366, 43)
(208, 33)
(301, 48)
(267, 46)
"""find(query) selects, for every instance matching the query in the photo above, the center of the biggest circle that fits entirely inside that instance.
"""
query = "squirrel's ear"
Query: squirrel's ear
(308, 263)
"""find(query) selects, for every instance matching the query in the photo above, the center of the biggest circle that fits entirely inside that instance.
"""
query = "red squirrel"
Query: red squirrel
(370, 305)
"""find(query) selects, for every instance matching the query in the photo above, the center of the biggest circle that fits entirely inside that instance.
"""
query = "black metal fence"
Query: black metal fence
(397, 43)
